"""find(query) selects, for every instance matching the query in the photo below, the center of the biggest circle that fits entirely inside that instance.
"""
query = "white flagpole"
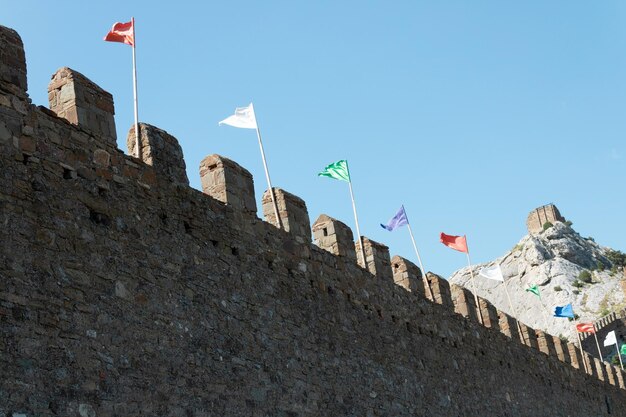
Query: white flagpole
(597, 344)
(137, 139)
(619, 355)
(267, 173)
(419, 259)
(580, 345)
(519, 328)
(356, 218)
(469, 263)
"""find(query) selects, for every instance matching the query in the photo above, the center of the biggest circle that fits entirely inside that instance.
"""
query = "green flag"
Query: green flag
(534, 289)
(337, 170)
(622, 351)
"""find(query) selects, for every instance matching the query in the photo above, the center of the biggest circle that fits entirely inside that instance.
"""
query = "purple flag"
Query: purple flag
(396, 221)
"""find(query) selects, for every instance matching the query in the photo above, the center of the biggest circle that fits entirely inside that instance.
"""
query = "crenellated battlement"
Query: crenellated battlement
(107, 251)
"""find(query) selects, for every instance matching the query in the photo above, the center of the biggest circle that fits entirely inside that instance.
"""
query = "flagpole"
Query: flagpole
(469, 263)
(137, 139)
(597, 344)
(419, 259)
(580, 345)
(267, 173)
(356, 218)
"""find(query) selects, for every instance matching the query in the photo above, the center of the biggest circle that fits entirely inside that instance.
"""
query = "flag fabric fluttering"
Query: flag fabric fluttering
(566, 311)
(121, 32)
(534, 289)
(243, 118)
(622, 350)
(492, 272)
(454, 242)
(585, 328)
(610, 339)
(337, 170)
(396, 221)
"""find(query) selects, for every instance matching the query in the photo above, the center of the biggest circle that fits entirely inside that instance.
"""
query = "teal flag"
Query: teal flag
(623, 350)
(337, 170)
(534, 289)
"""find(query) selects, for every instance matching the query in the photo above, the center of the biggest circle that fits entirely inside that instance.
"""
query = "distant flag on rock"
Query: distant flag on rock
(610, 339)
(337, 170)
(125, 33)
(534, 289)
(454, 242)
(566, 311)
(396, 221)
(492, 272)
(243, 118)
(585, 328)
(122, 32)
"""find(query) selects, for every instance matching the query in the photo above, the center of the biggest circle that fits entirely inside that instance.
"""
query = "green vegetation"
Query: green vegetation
(517, 247)
(585, 276)
(568, 223)
(577, 284)
(558, 288)
(576, 292)
(600, 266)
(616, 257)
(547, 225)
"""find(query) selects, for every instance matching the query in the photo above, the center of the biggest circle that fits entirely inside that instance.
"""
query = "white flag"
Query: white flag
(492, 272)
(610, 339)
(244, 118)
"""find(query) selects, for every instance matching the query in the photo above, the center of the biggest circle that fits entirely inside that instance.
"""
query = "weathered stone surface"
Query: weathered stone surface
(12, 62)
(542, 215)
(407, 275)
(80, 101)
(160, 150)
(376, 258)
(334, 236)
(121, 295)
(294, 216)
(228, 182)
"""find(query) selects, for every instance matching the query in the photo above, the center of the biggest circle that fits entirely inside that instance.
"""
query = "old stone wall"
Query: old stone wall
(124, 292)
(539, 216)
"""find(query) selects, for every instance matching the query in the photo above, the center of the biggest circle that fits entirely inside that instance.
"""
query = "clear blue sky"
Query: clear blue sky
(468, 113)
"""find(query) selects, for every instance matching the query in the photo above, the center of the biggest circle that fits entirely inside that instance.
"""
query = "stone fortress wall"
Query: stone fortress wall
(539, 216)
(123, 292)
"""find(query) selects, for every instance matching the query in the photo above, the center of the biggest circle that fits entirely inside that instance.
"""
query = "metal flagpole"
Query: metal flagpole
(597, 344)
(519, 328)
(469, 263)
(619, 355)
(356, 218)
(267, 173)
(582, 353)
(137, 139)
(419, 259)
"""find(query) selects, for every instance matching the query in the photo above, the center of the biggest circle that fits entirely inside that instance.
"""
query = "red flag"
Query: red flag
(455, 242)
(122, 32)
(585, 328)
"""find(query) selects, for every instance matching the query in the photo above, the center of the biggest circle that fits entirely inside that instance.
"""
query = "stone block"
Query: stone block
(560, 347)
(407, 275)
(575, 357)
(464, 302)
(508, 325)
(545, 342)
(489, 314)
(81, 102)
(334, 236)
(160, 150)
(441, 290)
(528, 336)
(294, 216)
(228, 182)
(12, 62)
(619, 375)
(589, 361)
(610, 373)
(376, 257)
(539, 216)
(600, 369)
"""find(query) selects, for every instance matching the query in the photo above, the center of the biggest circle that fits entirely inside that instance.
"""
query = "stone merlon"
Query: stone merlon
(12, 63)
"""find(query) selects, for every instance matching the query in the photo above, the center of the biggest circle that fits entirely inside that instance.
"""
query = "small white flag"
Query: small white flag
(244, 118)
(492, 272)
(610, 339)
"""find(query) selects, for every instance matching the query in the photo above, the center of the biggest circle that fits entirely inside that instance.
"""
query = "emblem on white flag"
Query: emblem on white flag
(492, 272)
(243, 118)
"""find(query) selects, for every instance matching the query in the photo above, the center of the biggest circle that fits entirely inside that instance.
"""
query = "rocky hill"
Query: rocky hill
(566, 267)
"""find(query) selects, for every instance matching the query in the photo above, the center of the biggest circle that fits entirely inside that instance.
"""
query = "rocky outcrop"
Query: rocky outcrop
(552, 260)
